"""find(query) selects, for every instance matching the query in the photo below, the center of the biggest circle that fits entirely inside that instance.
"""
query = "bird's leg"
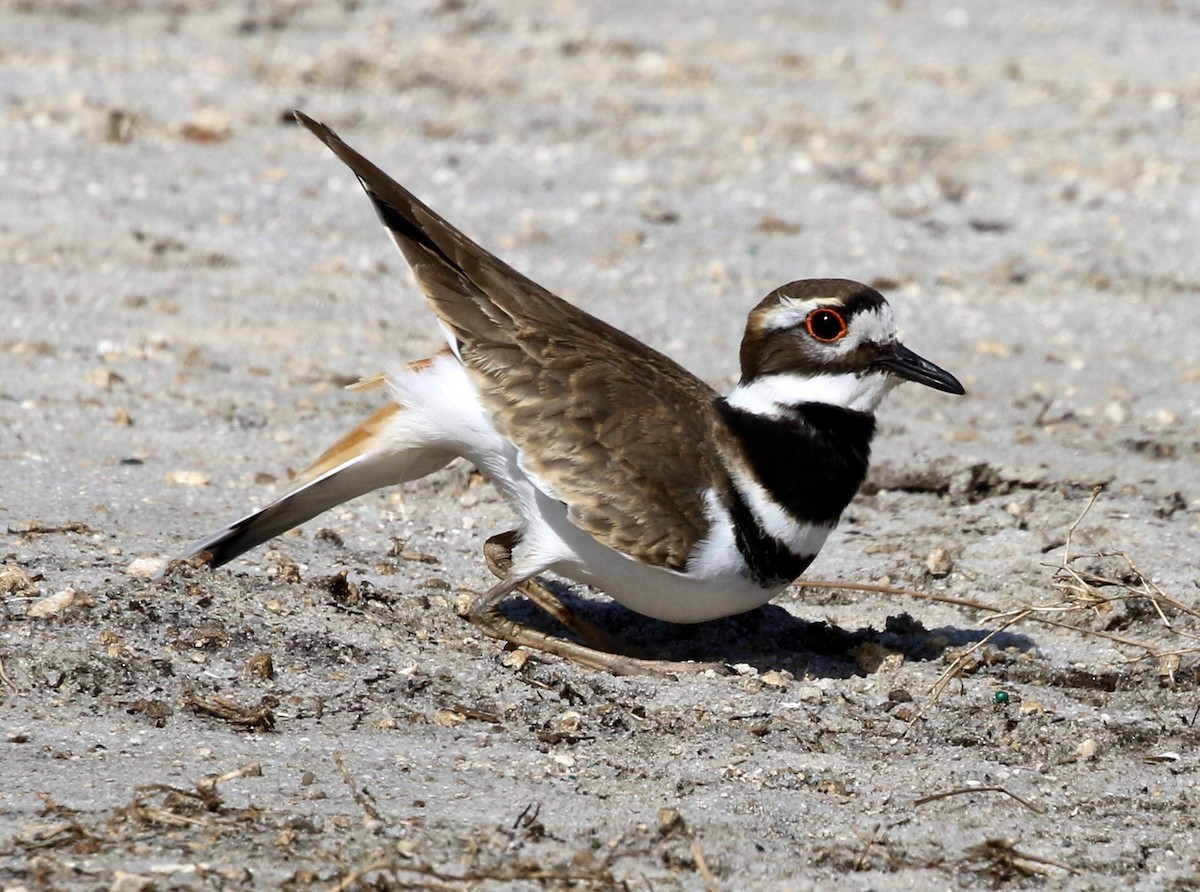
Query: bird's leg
(498, 553)
(600, 651)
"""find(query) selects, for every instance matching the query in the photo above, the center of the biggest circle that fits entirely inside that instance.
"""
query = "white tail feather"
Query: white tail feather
(395, 445)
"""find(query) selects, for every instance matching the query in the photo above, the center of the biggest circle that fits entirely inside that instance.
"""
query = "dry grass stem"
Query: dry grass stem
(706, 875)
(364, 800)
(255, 718)
(962, 791)
(1081, 590)
(8, 682)
(1003, 860)
(426, 877)
(960, 662)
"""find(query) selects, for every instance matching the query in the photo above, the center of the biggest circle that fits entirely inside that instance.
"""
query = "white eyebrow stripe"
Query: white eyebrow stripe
(791, 313)
(876, 325)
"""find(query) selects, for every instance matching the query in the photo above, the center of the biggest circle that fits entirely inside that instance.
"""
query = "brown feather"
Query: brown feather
(624, 436)
(353, 444)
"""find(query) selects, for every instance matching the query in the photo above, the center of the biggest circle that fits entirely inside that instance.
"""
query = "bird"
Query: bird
(626, 472)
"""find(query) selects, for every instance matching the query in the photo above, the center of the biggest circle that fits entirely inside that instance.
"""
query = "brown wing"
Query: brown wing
(618, 432)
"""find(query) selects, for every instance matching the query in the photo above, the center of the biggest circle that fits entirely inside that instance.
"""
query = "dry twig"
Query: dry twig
(8, 681)
(32, 528)
(861, 860)
(706, 875)
(256, 718)
(360, 796)
(68, 833)
(1081, 590)
(961, 791)
(430, 878)
(1002, 858)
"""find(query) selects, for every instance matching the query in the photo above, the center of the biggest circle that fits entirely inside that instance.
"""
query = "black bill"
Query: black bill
(903, 362)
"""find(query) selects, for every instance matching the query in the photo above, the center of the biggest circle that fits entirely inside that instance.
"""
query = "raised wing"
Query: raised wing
(618, 432)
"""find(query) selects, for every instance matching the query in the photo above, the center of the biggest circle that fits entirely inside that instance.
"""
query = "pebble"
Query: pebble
(1116, 412)
(130, 882)
(207, 125)
(180, 477)
(778, 678)
(144, 568)
(515, 659)
(670, 821)
(939, 563)
(261, 666)
(993, 348)
(1089, 750)
(16, 580)
(105, 379)
(809, 693)
(54, 604)
(569, 722)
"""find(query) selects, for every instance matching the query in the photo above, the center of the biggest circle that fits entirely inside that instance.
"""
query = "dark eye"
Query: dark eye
(825, 325)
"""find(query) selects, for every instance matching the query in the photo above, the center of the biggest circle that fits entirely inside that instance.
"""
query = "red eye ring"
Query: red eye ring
(826, 325)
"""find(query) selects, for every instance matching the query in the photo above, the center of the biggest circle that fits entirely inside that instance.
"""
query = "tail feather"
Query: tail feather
(368, 458)
(422, 234)
(349, 480)
(478, 296)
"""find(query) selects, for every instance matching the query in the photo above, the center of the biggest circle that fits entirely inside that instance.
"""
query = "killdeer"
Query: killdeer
(627, 472)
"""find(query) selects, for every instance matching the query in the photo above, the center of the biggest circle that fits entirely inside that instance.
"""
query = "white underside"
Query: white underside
(442, 412)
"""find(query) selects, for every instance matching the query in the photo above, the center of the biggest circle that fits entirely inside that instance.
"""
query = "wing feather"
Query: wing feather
(620, 433)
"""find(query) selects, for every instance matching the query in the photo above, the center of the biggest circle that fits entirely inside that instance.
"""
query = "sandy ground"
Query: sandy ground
(189, 281)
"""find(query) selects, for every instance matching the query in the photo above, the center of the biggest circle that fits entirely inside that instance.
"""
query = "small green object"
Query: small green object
(1001, 697)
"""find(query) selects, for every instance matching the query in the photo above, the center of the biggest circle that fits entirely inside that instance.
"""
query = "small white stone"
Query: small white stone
(939, 563)
(180, 477)
(569, 722)
(1116, 413)
(53, 604)
(1164, 100)
(144, 568)
(778, 678)
(809, 693)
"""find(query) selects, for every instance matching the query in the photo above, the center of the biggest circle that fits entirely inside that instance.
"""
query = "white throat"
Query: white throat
(775, 395)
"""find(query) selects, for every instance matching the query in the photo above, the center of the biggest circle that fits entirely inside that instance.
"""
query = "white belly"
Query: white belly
(442, 412)
(666, 594)
(709, 592)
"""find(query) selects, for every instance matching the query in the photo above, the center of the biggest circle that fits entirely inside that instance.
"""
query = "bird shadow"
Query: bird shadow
(767, 638)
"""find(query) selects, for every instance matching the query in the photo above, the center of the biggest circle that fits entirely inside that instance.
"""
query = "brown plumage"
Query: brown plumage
(560, 384)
